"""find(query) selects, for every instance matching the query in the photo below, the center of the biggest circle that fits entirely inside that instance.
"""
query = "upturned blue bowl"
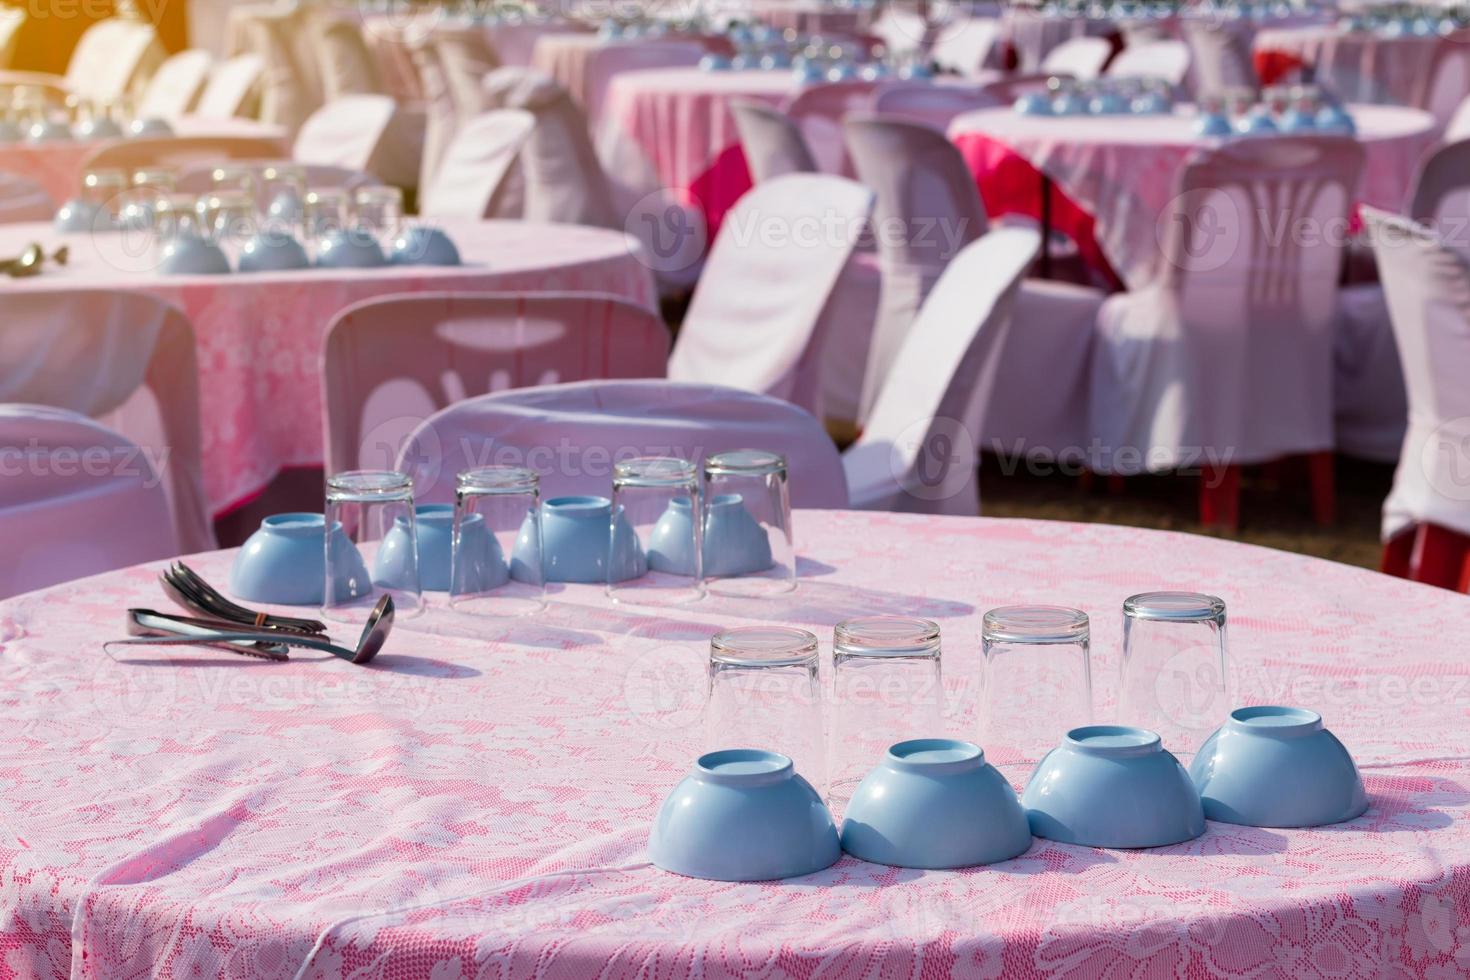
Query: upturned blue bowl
(423, 245)
(1336, 119)
(1107, 104)
(935, 803)
(734, 541)
(1296, 121)
(434, 525)
(1274, 766)
(101, 128)
(1112, 786)
(1257, 122)
(149, 128)
(714, 62)
(1213, 124)
(273, 252)
(349, 250)
(186, 254)
(743, 815)
(48, 131)
(1033, 104)
(79, 216)
(578, 544)
(285, 561)
(286, 207)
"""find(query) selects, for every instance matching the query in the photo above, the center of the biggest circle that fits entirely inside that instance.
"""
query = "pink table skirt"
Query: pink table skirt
(477, 804)
(260, 336)
(1114, 178)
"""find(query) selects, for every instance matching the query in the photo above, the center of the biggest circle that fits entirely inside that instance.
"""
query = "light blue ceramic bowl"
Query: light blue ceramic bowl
(1273, 766)
(744, 62)
(149, 128)
(576, 543)
(714, 62)
(48, 131)
(79, 216)
(347, 250)
(285, 561)
(1151, 104)
(1295, 121)
(434, 524)
(1336, 119)
(1107, 104)
(423, 245)
(10, 132)
(935, 803)
(1213, 124)
(1033, 104)
(273, 252)
(743, 815)
(915, 73)
(841, 71)
(136, 216)
(102, 128)
(808, 73)
(1112, 786)
(1257, 122)
(734, 541)
(187, 254)
(1069, 104)
(285, 207)
(775, 61)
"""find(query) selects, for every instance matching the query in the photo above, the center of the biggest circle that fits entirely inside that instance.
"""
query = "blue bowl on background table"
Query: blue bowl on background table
(344, 249)
(734, 541)
(434, 525)
(273, 252)
(1033, 104)
(1151, 104)
(808, 73)
(1336, 119)
(78, 216)
(935, 803)
(423, 245)
(1107, 104)
(1112, 786)
(186, 254)
(917, 72)
(1069, 104)
(285, 207)
(775, 61)
(48, 131)
(1257, 122)
(714, 62)
(579, 543)
(285, 561)
(1293, 120)
(149, 128)
(1213, 125)
(1274, 766)
(743, 815)
(101, 128)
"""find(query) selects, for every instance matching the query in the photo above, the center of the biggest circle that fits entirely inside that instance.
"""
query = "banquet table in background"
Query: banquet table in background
(1114, 177)
(477, 803)
(568, 58)
(58, 164)
(260, 335)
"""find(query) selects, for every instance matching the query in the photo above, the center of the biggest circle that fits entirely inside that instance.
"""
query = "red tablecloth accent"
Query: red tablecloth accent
(1273, 66)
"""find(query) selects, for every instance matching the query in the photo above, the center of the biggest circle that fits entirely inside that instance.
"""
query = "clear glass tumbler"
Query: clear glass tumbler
(764, 693)
(1176, 675)
(887, 686)
(323, 213)
(747, 524)
(379, 554)
(227, 218)
(1036, 682)
(380, 213)
(496, 567)
(654, 506)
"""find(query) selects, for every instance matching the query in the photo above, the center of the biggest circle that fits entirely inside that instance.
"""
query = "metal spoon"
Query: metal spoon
(178, 630)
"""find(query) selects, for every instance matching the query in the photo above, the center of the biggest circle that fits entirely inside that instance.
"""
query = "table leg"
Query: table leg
(1045, 227)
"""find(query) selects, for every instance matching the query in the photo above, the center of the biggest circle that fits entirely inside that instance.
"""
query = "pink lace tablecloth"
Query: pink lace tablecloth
(1121, 172)
(477, 804)
(58, 164)
(260, 336)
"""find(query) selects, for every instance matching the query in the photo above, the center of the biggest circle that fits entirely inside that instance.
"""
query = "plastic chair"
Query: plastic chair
(84, 500)
(917, 451)
(573, 434)
(464, 56)
(1168, 60)
(89, 351)
(1220, 55)
(818, 111)
(23, 199)
(288, 94)
(181, 152)
(392, 362)
(231, 88)
(362, 132)
(1231, 352)
(1080, 57)
(772, 143)
(1449, 77)
(476, 163)
(754, 319)
(174, 87)
(344, 64)
(965, 45)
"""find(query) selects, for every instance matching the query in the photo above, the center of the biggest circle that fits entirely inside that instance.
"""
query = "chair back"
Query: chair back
(24, 199)
(1221, 56)
(573, 435)
(177, 83)
(465, 57)
(753, 320)
(394, 361)
(902, 31)
(1449, 77)
(344, 63)
(476, 163)
(1168, 60)
(1441, 194)
(441, 115)
(772, 143)
(607, 60)
(289, 92)
(11, 21)
(113, 57)
(917, 452)
(361, 132)
(1080, 57)
(179, 153)
(964, 45)
(933, 105)
(818, 110)
(232, 87)
(87, 500)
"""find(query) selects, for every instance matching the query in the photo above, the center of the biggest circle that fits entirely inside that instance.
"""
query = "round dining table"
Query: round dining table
(260, 335)
(1358, 65)
(58, 164)
(1112, 178)
(477, 801)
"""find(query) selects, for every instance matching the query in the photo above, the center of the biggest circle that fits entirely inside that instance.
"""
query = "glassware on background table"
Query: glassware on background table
(282, 194)
(1175, 677)
(375, 509)
(104, 189)
(747, 524)
(887, 687)
(227, 218)
(658, 496)
(764, 693)
(497, 567)
(233, 178)
(1036, 682)
(379, 212)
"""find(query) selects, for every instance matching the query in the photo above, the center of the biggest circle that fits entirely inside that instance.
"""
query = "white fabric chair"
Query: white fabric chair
(818, 111)
(476, 163)
(966, 44)
(902, 31)
(363, 132)
(772, 143)
(754, 319)
(933, 105)
(464, 56)
(113, 57)
(1220, 56)
(1428, 290)
(344, 65)
(573, 434)
(441, 116)
(1168, 60)
(1449, 77)
(91, 351)
(11, 21)
(288, 93)
(23, 199)
(917, 450)
(232, 89)
(392, 362)
(1458, 127)
(174, 87)
(1079, 57)
(78, 499)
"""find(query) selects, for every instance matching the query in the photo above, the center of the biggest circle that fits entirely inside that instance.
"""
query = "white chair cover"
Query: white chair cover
(965, 45)
(917, 450)
(23, 199)
(1232, 351)
(1449, 77)
(1221, 56)
(902, 31)
(364, 132)
(933, 105)
(1168, 60)
(1428, 289)
(232, 89)
(392, 362)
(344, 64)
(573, 434)
(818, 110)
(1080, 57)
(288, 94)
(772, 143)
(476, 163)
(1458, 127)
(11, 20)
(441, 116)
(90, 351)
(78, 499)
(465, 57)
(112, 58)
(753, 320)
(174, 87)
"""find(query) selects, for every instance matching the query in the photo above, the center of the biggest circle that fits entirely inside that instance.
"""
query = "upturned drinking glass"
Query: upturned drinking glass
(1036, 681)
(764, 693)
(655, 508)
(1176, 672)
(380, 556)
(496, 567)
(747, 524)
